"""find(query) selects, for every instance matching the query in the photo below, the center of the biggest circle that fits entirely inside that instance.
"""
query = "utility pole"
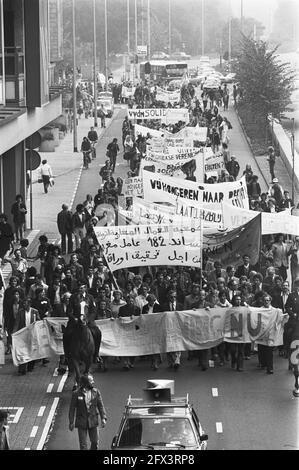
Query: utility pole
(148, 30)
(241, 16)
(74, 79)
(106, 47)
(293, 156)
(142, 25)
(95, 91)
(128, 33)
(229, 43)
(202, 28)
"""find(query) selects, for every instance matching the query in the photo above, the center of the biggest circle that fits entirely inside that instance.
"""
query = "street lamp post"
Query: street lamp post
(106, 47)
(148, 30)
(128, 39)
(95, 91)
(169, 27)
(202, 27)
(136, 37)
(74, 78)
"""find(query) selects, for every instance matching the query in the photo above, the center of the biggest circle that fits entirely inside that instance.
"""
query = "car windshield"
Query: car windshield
(157, 431)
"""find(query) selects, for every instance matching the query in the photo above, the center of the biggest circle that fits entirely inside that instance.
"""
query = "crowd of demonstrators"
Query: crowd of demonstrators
(77, 271)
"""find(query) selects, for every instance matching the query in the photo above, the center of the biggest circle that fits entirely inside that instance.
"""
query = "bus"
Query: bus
(162, 71)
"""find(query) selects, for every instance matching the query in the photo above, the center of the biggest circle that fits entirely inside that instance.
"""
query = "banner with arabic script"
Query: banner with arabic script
(150, 245)
(158, 333)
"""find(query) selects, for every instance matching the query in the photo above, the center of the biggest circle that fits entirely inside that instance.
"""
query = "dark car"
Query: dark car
(159, 421)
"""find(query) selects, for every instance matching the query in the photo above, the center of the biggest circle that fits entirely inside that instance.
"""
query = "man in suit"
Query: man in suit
(91, 282)
(245, 268)
(78, 224)
(129, 309)
(25, 317)
(85, 407)
(76, 266)
(92, 260)
(153, 306)
(4, 434)
(64, 224)
(174, 358)
(280, 300)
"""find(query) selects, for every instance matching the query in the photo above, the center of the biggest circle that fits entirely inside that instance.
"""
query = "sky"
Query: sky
(262, 10)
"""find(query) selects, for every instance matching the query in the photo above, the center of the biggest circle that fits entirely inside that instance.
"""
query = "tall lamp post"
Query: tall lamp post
(293, 156)
(136, 37)
(128, 35)
(148, 30)
(202, 27)
(74, 78)
(169, 27)
(95, 91)
(106, 47)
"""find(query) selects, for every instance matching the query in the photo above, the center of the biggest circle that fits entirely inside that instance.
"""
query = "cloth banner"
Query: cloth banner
(158, 333)
(144, 131)
(167, 189)
(229, 246)
(186, 137)
(178, 170)
(144, 212)
(168, 96)
(151, 245)
(167, 115)
(272, 223)
(133, 187)
(174, 155)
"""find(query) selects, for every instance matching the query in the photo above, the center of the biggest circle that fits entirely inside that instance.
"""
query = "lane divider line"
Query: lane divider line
(27, 448)
(48, 424)
(50, 388)
(219, 427)
(215, 392)
(34, 431)
(41, 411)
(211, 363)
(55, 373)
(62, 382)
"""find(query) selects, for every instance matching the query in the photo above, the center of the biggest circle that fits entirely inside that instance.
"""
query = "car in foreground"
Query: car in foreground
(159, 421)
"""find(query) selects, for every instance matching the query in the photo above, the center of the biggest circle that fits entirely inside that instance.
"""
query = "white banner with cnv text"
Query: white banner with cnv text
(158, 333)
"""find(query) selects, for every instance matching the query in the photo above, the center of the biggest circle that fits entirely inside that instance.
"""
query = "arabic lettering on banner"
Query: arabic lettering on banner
(151, 245)
(144, 212)
(167, 115)
(272, 223)
(158, 333)
(133, 187)
(167, 189)
(230, 246)
(144, 131)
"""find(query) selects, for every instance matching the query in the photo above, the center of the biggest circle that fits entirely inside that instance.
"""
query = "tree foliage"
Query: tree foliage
(266, 82)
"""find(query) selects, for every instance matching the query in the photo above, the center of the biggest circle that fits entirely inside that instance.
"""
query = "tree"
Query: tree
(267, 83)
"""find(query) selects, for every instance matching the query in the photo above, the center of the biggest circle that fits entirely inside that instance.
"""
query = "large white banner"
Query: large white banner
(214, 163)
(183, 213)
(168, 96)
(174, 154)
(150, 245)
(167, 115)
(272, 223)
(145, 131)
(127, 92)
(158, 333)
(167, 189)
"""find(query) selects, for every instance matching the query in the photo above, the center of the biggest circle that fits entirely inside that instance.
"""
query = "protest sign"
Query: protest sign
(167, 115)
(132, 187)
(151, 245)
(167, 189)
(127, 92)
(158, 333)
(144, 131)
(214, 163)
(230, 246)
(278, 222)
(168, 96)
(182, 212)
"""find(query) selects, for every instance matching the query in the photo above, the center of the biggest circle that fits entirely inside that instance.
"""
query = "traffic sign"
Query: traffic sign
(33, 141)
(35, 159)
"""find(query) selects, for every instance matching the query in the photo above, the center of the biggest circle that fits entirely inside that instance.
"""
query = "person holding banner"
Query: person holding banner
(171, 305)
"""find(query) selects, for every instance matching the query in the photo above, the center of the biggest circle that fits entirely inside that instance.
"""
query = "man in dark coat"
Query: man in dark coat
(18, 211)
(64, 224)
(112, 150)
(6, 235)
(174, 358)
(85, 407)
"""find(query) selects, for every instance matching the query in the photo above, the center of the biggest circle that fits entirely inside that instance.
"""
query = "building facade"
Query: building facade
(26, 101)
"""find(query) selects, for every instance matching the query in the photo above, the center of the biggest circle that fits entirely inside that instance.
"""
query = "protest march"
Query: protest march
(184, 255)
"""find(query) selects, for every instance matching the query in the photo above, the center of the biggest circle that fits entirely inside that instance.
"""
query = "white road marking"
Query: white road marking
(219, 427)
(211, 364)
(55, 373)
(215, 392)
(41, 411)
(15, 416)
(27, 448)
(34, 431)
(62, 382)
(18, 414)
(50, 388)
(48, 424)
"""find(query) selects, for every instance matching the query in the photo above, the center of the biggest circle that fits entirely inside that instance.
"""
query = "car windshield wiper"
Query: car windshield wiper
(172, 444)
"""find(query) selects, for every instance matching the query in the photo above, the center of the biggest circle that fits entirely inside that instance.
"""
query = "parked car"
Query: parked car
(160, 55)
(160, 421)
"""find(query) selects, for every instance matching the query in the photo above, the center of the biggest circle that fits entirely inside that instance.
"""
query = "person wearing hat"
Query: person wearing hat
(276, 191)
(286, 202)
(85, 407)
(271, 160)
(4, 433)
